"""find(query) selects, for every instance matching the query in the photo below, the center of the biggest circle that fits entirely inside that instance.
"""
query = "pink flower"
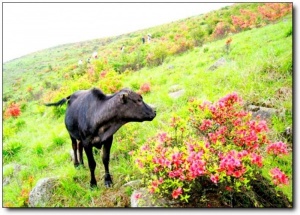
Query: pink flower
(162, 137)
(278, 148)
(214, 178)
(279, 178)
(176, 193)
(206, 124)
(256, 159)
(145, 147)
(137, 195)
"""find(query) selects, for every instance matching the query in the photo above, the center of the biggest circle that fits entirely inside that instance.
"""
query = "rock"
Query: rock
(288, 134)
(175, 91)
(134, 184)
(10, 171)
(263, 112)
(220, 62)
(42, 192)
(170, 67)
(176, 94)
(142, 198)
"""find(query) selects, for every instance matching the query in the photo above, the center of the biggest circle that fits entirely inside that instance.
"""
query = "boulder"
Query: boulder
(10, 171)
(42, 192)
(176, 94)
(263, 112)
(220, 62)
(142, 198)
(175, 91)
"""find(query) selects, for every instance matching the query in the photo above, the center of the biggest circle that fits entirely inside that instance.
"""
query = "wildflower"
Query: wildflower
(214, 178)
(137, 196)
(256, 159)
(176, 193)
(279, 178)
(228, 188)
(206, 124)
(162, 137)
(278, 148)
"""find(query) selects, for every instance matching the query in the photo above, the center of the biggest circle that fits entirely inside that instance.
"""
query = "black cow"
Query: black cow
(93, 117)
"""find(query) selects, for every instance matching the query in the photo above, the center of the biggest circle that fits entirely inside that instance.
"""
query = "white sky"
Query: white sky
(29, 27)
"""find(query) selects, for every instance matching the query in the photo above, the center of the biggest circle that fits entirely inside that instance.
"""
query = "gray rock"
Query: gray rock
(217, 64)
(263, 112)
(170, 67)
(134, 184)
(176, 94)
(10, 171)
(288, 134)
(142, 198)
(42, 192)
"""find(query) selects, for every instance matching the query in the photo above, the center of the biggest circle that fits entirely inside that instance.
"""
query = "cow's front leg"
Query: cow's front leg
(92, 165)
(105, 158)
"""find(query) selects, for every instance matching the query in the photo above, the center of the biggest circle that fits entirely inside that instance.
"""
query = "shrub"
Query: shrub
(198, 36)
(145, 88)
(11, 149)
(221, 30)
(58, 141)
(274, 11)
(111, 82)
(226, 150)
(13, 110)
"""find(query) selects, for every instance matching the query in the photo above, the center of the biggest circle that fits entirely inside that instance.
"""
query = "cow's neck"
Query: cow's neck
(109, 129)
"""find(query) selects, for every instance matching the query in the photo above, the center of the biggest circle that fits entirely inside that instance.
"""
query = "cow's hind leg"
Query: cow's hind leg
(92, 164)
(105, 159)
(74, 146)
(80, 149)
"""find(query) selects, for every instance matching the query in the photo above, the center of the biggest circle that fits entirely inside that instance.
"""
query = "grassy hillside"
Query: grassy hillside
(258, 66)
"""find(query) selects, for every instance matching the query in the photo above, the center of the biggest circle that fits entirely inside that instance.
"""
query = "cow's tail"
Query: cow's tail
(59, 103)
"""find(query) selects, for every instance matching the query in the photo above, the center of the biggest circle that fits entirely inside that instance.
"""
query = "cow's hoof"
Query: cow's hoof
(108, 184)
(93, 185)
(78, 166)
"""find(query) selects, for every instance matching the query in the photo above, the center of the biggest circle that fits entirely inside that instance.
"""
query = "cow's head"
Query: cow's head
(133, 108)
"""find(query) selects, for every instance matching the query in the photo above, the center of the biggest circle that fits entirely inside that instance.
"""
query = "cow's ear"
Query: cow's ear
(124, 97)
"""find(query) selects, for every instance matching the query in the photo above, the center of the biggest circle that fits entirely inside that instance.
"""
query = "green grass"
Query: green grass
(258, 65)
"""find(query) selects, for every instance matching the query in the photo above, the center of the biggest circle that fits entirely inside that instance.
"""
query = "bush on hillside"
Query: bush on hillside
(225, 153)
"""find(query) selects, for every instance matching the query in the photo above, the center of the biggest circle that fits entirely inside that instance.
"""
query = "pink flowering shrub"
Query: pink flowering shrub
(226, 148)
(145, 88)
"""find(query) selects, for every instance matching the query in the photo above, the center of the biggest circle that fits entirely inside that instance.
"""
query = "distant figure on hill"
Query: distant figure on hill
(149, 38)
(143, 40)
(80, 62)
(89, 60)
(95, 55)
(122, 48)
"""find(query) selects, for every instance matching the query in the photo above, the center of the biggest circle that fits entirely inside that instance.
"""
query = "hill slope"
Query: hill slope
(257, 64)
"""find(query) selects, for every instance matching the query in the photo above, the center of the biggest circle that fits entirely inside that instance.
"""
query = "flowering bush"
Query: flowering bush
(273, 11)
(13, 110)
(226, 150)
(145, 88)
(269, 12)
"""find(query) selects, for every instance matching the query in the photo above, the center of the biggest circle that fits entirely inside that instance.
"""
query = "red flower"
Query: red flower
(176, 193)
(278, 148)
(137, 195)
(279, 178)
(214, 178)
